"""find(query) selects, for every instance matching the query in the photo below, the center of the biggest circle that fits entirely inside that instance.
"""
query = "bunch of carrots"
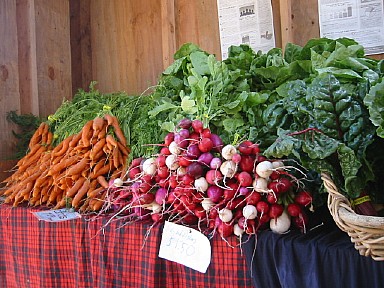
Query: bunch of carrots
(75, 173)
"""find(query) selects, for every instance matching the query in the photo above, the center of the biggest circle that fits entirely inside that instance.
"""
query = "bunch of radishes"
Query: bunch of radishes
(197, 180)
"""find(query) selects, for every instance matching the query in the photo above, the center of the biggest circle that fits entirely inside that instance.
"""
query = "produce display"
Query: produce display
(228, 146)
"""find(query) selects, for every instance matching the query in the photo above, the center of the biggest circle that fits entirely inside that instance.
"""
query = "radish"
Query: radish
(260, 184)
(281, 224)
(174, 148)
(215, 193)
(262, 207)
(228, 168)
(213, 176)
(276, 210)
(205, 144)
(193, 151)
(185, 123)
(195, 169)
(246, 148)
(201, 184)
(217, 142)
(169, 138)
(149, 166)
(205, 158)
(207, 204)
(245, 179)
(225, 229)
(237, 230)
(247, 163)
(160, 195)
(215, 163)
(253, 198)
(249, 212)
(172, 162)
(118, 182)
(197, 126)
(225, 215)
(228, 151)
(294, 209)
(303, 198)
(264, 169)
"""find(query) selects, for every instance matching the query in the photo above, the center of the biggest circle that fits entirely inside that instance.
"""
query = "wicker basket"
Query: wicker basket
(366, 232)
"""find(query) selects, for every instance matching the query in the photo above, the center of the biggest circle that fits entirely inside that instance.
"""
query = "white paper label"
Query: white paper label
(185, 246)
(57, 215)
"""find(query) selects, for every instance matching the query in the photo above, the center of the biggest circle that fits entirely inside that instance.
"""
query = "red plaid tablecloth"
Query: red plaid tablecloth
(76, 253)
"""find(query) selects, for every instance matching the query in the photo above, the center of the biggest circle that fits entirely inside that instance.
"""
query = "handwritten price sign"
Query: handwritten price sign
(57, 215)
(185, 246)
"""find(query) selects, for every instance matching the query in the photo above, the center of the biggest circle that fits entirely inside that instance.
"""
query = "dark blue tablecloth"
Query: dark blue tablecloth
(323, 257)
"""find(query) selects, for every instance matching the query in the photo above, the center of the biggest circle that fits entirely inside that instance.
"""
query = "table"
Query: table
(77, 253)
(323, 257)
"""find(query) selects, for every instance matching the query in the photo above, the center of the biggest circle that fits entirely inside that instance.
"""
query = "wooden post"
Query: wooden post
(168, 31)
(26, 32)
(286, 22)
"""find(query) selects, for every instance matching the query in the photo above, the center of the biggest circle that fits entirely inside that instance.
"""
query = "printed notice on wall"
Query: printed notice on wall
(246, 22)
(361, 20)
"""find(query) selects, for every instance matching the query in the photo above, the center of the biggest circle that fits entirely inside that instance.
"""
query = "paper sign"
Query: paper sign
(57, 215)
(185, 246)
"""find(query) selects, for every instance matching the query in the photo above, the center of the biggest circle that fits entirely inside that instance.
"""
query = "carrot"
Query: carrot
(97, 148)
(63, 147)
(93, 193)
(102, 181)
(75, 140)
(80, 194)
(76, 186)
(123, 149)
(116, 158)
(32, 159)
(102, 133)
(103, 170)
(79, 167)
(110, 119)
(98, 124)
(57, 168)
(35, 139)
(85, 134)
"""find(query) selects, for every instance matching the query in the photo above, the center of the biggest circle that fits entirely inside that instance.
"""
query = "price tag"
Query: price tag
(58, 215)
(185, 246)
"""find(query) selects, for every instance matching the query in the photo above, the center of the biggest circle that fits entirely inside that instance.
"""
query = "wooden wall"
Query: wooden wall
(53, 48)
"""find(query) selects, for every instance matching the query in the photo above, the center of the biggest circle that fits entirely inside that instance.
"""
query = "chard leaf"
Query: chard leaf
(375, 103)
(200, 62)
(188, 105)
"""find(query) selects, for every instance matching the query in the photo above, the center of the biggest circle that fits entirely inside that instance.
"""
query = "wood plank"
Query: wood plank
(26, 34)
(9, 76)
(197, 22)
(81, 49)
(305, 21)
(53, 53)
(286, 22)
(168, 31)
(126, 44)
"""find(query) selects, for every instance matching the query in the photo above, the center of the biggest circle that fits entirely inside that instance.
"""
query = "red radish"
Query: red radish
(200, 212)
(169, 138)
(294, 209)
(160, 160)
(244, 191)
(247, 163)
(215, 193)
(206, 133)
(217, 142)
(236, 203)
(181, 141)
(276, 210)
(193, 151)
(184, 133)
(194, 137)
(173, 181)
(134, 172)
(303, 198)
(246, 147)
(187, 179)
(236, 158)
(274, 175)
(262, 207)
(215, 163)
(165, 151)
(197, 126)
(205, 158)
(195, 169)
(282, 185)
(271, 198)
(213, 176)
(163, 172)
(225, 229)
(189, 219)
(184, 160)
(160, 195)
(245, 179)
(185, 123)
(205, 144)
(229, 194)
(253, 198)
(157, 217)
(301, 222)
